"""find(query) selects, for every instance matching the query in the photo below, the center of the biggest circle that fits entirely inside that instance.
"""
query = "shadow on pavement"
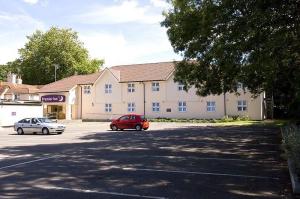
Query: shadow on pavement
(173, 163)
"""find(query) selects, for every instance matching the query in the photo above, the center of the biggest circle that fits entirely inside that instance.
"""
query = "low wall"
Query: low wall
(13, 112)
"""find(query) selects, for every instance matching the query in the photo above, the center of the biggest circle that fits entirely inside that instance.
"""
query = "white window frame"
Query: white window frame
(87, 89)
(180, 87)
(155, 86)
(210, 106)
(108, 108)
(131, 107)
(130, 87)
(155, 107)
(108, 88)
(242, 105)
(182, 106)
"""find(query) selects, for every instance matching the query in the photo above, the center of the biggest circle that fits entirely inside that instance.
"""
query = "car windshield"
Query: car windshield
(45, 120)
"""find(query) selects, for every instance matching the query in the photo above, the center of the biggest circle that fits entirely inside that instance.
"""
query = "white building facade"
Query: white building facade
(146, 89)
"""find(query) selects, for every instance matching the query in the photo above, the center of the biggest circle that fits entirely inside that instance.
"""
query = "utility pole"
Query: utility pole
(56, 66)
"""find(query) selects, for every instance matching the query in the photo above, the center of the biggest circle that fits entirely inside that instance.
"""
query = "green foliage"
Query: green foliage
(184, 120)
(10, 67)
(291, 143)
(229, 41)
(59, 47)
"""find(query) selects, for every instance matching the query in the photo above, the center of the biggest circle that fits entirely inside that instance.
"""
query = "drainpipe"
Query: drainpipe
(225, 110)
(144, 90)
(81, 101)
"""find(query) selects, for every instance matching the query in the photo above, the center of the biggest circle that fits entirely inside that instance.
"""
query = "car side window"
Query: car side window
(132, 117)
(25, 121)
(34, 121)
(124, 118)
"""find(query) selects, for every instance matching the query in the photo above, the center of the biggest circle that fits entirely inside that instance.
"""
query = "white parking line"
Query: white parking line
(199, 173)
(28, 162)
(100, 192)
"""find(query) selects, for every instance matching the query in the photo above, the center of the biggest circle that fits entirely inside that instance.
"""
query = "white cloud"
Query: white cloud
(160, 3)
(124, 12)
(31, 1)
(116, 49)
(14, 28)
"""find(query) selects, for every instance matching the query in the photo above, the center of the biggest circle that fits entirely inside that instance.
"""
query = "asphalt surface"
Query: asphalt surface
(165, 162)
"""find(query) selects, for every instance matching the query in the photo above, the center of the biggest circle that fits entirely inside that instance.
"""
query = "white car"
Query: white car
(38, 125)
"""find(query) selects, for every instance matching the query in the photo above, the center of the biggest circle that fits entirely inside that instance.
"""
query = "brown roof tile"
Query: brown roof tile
(68, 83)
(145, 72)
(19, 88)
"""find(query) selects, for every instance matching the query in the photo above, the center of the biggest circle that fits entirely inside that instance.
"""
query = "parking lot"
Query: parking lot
(168, 161)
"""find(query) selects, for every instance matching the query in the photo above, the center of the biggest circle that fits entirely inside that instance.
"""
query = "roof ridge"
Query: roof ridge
(143, 64)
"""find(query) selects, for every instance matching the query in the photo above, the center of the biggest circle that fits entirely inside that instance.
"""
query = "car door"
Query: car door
(123, 122)
(35, 125)
(132, 121)
(25, 125)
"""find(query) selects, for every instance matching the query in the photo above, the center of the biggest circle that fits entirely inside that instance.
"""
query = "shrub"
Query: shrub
(291, 144)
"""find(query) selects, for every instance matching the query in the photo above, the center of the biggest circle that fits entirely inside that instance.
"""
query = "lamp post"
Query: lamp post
(56, 66)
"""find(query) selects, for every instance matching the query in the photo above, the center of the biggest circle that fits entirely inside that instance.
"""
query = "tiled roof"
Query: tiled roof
(145, 72)
(19, 88)
(124, 73)
(68, 83)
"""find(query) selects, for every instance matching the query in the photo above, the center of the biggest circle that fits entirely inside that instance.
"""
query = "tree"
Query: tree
(224, 42)
(10, 67)
(56, 47)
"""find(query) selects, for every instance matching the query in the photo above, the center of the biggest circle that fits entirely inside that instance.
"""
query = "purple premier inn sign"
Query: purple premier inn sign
(53, 98)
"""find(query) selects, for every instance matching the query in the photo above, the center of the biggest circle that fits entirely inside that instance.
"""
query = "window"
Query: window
(211, 106)
(155, 107)
(155, 86)
(131, 88)
(34, 121)
(17, 96)
(108, 88)
(87, 89)
(182, 106)
(239, 85)
(124, 118)
(242, 105)
(131, 107)
(180, 86)
(108, 108)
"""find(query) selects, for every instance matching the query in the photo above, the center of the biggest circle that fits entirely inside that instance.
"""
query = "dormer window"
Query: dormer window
(87, 90)
(131, 88)
(155, 86)
(108, 88)
(180, 86)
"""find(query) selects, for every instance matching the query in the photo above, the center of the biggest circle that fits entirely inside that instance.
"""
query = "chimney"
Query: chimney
(12, 78)
(19, 80)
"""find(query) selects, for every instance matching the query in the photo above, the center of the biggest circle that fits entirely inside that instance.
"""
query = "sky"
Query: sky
(118, 31)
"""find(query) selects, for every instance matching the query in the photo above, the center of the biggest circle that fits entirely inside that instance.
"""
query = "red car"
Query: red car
(130, 121)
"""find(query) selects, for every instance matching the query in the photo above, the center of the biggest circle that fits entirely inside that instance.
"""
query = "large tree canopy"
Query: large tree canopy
(56, 47)
(224, 42)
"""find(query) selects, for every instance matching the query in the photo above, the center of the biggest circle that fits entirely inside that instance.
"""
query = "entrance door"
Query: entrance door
(55, 112)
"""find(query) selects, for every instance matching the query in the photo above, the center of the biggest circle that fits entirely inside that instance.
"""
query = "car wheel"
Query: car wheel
(138, 127)
(45, 131)
(114, 128)
(20, 131)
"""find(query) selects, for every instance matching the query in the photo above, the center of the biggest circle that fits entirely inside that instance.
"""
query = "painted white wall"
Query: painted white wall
(9, 114)
(168, 97)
